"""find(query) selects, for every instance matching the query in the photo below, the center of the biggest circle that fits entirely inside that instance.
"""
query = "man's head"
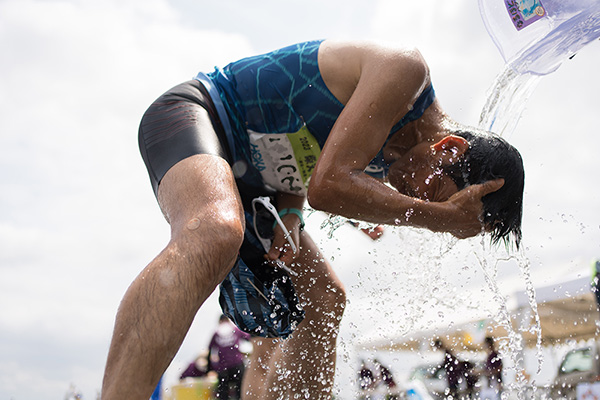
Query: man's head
(491, 157)
(434, 171)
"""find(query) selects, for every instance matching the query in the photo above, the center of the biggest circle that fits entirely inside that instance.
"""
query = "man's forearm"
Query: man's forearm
(362, 197)
(287, 200)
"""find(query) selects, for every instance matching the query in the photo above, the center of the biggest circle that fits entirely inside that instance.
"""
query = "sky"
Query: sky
(78, 219)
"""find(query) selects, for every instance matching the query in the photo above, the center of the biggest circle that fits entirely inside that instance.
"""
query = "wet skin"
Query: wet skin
(419, 173)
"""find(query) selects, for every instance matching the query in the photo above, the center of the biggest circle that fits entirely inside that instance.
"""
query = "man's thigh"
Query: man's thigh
(183, 146)
(199, 191)
(179, 124)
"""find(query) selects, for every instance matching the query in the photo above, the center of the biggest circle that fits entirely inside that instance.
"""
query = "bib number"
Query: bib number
(285, 160)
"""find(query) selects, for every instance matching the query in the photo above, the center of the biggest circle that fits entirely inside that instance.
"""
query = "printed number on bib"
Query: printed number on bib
(285, 160)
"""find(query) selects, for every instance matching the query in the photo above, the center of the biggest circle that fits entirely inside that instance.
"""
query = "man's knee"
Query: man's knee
(212, 243)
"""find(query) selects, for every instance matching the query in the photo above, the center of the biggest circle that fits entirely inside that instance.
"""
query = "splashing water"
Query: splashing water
(566, 27)
(514, 349)
(431, 292)
(506, 101)
(332, 223)
(525, 267)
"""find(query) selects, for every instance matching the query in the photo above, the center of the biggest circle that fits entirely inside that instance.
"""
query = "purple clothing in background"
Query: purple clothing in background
(493, 366)
(224, 347)
(192, 371)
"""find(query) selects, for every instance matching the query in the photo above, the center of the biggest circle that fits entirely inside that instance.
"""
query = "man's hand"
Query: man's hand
(280, 248)
(374, 233)
(462, 213)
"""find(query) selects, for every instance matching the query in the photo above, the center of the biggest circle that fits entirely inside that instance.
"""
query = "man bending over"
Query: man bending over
(354, 128)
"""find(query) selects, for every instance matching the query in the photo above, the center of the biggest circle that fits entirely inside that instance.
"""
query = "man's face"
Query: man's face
(418, 173)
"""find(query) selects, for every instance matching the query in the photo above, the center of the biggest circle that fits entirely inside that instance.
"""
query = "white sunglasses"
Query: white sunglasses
(266, 243)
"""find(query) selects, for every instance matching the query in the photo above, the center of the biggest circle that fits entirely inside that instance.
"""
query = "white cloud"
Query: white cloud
(78, 217)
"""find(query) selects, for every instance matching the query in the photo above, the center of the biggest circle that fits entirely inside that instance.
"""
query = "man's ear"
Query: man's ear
(450, 148)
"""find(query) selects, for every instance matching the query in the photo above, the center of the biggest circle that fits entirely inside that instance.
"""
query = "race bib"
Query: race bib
(285, 160)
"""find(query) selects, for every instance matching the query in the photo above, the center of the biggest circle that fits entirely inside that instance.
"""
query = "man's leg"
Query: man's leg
(255, 377)
(200, 200)
(238, 375)
(223, 385)
(304, 364)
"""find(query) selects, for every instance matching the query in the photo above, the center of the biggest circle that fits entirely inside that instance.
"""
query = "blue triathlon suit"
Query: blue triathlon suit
(278, 93)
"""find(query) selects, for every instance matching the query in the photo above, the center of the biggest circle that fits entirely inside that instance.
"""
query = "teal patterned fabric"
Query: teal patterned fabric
(278, 92)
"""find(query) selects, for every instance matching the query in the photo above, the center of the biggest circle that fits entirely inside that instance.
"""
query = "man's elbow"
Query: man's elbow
(322, 194)
(317, 197)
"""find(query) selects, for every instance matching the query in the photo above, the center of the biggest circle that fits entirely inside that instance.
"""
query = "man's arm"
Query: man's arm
(280, 249)
(389, 83)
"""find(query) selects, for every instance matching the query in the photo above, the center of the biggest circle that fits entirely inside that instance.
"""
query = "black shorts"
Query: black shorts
(175, 127)
(259, 298)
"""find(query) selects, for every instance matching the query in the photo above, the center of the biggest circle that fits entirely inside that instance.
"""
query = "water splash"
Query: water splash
(536, 329)
(514, 347)
(423, 305)
(414, 308)
(506, 101)
(333, 223)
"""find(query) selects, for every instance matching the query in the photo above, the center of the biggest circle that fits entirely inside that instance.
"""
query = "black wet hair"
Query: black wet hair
(491, 157)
